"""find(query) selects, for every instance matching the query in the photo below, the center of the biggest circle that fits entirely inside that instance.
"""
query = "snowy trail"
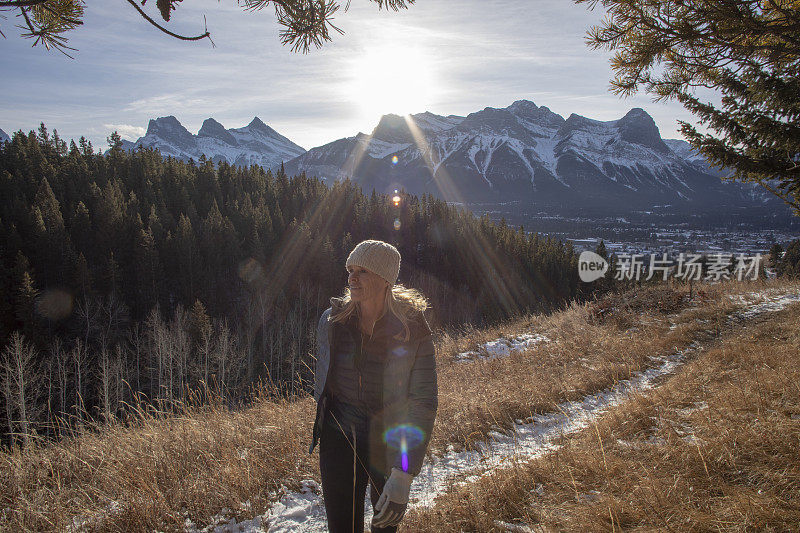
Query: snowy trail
(536, 436)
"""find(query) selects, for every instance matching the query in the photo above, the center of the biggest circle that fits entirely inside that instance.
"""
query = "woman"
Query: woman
(375, 386)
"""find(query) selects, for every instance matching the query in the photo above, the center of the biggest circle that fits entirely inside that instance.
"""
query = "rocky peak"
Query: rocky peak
(639, 127)
(394, 129)
(530, 112)
(575, 122)
(168, 128)
(524, 108)
(212, 128)
(494, 121)
(258, 125)
(433, 123)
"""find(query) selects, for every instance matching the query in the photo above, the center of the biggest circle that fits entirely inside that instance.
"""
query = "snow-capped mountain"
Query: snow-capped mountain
(525, 152)
(4, 137)
(254, 144)
(691, 156)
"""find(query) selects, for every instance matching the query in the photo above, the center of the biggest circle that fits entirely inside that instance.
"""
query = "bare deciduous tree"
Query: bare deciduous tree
(79, 357)
(158, 353)
(180, 348)
(87, 312)
(113, 317)
(227, 357)
(136, 340)
(21, 377)
(112, 377)
(105, 375)
(61, 373)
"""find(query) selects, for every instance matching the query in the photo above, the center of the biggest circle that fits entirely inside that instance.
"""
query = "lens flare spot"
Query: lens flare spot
(250, 270)
(400, 351)
(397, 224)
(54, 304)
(394, 160)
(404, 437)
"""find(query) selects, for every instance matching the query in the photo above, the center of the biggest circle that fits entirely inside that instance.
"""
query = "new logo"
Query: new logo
(591, 266)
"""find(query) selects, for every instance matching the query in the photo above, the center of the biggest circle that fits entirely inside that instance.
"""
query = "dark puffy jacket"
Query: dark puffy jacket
(410, 396)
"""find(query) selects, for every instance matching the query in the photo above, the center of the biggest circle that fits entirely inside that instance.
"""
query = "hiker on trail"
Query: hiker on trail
(375, 386)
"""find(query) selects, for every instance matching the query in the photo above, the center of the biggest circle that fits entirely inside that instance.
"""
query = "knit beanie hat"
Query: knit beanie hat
(377, 256)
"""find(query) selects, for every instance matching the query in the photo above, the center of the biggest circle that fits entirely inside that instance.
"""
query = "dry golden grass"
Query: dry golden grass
(715, 448)
(161, 470)
(589, 351)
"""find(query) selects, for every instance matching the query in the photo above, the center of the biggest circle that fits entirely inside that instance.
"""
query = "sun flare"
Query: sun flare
(395, 79)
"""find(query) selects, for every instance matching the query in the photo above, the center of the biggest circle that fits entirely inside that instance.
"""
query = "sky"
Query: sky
(438, 56)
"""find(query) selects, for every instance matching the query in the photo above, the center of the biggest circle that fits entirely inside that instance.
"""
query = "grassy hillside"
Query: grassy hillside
(715, 448)
(710, 448)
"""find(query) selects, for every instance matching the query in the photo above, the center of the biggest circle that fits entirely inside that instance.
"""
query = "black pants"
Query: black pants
(345, 477)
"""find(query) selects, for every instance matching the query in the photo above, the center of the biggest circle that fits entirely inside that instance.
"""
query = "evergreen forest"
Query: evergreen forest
(129, 278)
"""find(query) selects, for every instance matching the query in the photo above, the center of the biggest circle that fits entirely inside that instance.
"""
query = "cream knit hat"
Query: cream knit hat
(377, 256)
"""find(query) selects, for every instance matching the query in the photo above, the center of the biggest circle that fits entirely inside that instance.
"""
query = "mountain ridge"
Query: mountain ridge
(528, 153)
(522, 152)
(253, 144)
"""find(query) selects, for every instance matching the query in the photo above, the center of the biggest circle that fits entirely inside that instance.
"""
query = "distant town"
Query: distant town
(658, 232)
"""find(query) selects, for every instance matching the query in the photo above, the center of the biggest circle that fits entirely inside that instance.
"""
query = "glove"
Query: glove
(391, 506)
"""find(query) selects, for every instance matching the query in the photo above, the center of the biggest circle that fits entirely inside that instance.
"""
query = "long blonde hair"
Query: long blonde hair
(401, 301)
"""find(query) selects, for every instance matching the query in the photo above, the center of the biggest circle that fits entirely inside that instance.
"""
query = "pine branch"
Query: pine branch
(45, 36)
(794, 204)
(205, 35)
(21, 3)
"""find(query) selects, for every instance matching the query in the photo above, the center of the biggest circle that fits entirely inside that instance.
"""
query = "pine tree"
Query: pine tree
(747, 52)
(25, 303)
(147, 271)
(82, 278)
(790, 262)
(44, 135)
(86, 146)
(81, 228)
(49, 206)
(111, 274)
(601, 250)
(186, 255)
(50, 237)
(199, 323)
(775, 254)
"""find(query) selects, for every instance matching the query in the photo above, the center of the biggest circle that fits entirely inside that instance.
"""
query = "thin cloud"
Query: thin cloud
(126, 131)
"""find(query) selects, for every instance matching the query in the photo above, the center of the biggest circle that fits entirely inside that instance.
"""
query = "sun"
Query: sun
(392, 78)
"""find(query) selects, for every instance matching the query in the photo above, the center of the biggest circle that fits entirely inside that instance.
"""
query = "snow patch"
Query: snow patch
(86, 522)
(503, 347)
(380, 149)
(769, 303)
(303, 511)
(513, 528)
(546, 152)
(431, 123)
